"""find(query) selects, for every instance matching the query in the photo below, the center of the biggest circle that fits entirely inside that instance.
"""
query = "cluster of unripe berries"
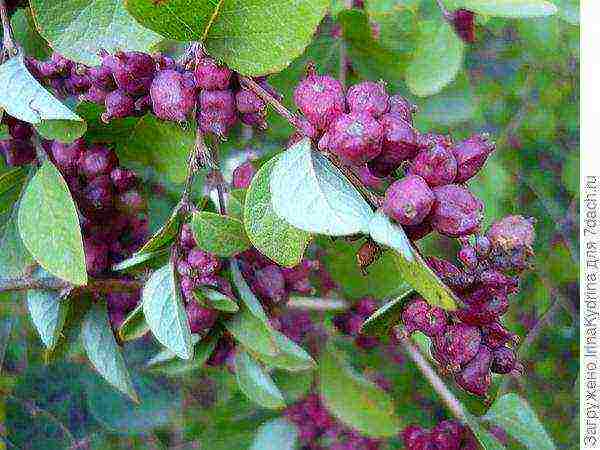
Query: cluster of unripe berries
(471, 343)
(447, 435)
(373, 132)
(134, 83)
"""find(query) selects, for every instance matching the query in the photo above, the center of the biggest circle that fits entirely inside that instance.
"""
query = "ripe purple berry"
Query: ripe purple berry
(420, 316)
(470, 155)
(484, 306)
(320, 98)
(458, 345)
(505, 360)
(132, 71)
(415, 437)
(457, 212)
(123, 179)
(496, 335)
(97, 160)
(94, 95)
(463, 22)
(402, 106)
(211, 76)
(66, 156)
(205, 263)
(173, 95)
(408, 201)
(476, 377)
(118, 105)
(242, 175)
(248, 102)
(130, 202)
(98, 195)
(368, 97)
(201, 319)
(512, 232)
(447, 435)
(96, 256)
(270, 283)
(436, 165)
(216, 111)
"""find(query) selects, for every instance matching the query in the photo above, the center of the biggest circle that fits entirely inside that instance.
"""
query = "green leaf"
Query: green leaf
(79, 29)
(158, 149)
(271, 235)
(252, 333)
(161, 363)
(310, 193)
(256, 383)
(235, 203)
(219, 301)
(291, 356)
(48, 313)
(485, 438)
(280, 29)
(276, 434)
(14, 257)
(517, 418)
(510, 8)
(165, 314)
(354, 400)
(11, 186)
(246, 294)
(49, 226)
(24, 98)
(381, 321)
(437, 60)
(103, 351)
(221, 235)
(384, 232)
(134, 326)
(163, 237)
(140, 260)
(26, 35)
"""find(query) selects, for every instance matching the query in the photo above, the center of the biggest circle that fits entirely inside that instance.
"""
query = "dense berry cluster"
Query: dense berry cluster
(318, 429)
(350, 321)
(134, 83)
(471, 343)
(447, 435)
(373, 132)
(18, 150)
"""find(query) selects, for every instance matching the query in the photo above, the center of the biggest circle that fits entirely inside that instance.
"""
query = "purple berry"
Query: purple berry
(216, 112)
(96, 256)
(133, 71)
(482, 246)
(130, 202)
(403, 107)
(457, 212)
(101, 76)
(270, 283)
(205, 263)
(447, 435)
(417, 438)
(173, 95)
(505, 360)
(248, 102)
(354, 137)
(458, 345)
(211, 76)
(123, 179)
(420, 316)
(484, 306)
(496, 335)
(201, 319)
(416, 232)
(187, 237)
(429, 140)
(436, 165)
(463, 22)
(475, 376)
(408, 201)
(321, 99)
(512, 232)
(94, 95)
(242, 175)
(66, 156)
(118, 105)
(368, 97)
(470, 155)
(254, 119)
(98, 194)
(468, 256)
(97, 160)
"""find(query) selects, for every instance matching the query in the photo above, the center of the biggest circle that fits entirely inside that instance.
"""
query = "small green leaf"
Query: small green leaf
(252, 333)
(14, 257)
(510, 8)
(381, 321)
(222, 235)
(141, 260)
(24, 98)
(48, 313)
(134, 326)
(280, 29)
(356, 401)
(165, 314)
(437, 60)
(103, 351)
(310, 193)
(256, 383)
(271, 235)
(383, 231)
(246, 294)
(516, 417)
(27, 36)
(80, 29)
(485, 438)
(49, 226)
(235, 203)
(163, 237)
(291, 356)
(276, 434)
(177, 367)
(219, 301)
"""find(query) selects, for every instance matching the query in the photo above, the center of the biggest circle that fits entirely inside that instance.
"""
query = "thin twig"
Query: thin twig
(447, 14)
(431, 376)
(8, 44)
(102, 286)
(317, 304)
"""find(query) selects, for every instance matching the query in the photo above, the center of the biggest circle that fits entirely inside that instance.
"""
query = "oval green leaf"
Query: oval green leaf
(23, 97)
(381, 321)
(291, 356)
(356, 401)
(437, 60)
(271, 235)
(103, 351)
(276, 434)
(255, 383)
(280, 29)
(510, 8)
(252, 333)
(49, 226)
(222, 235)
(79, 29)
(48, 313)
(134, 326)
(246, 294)
(165, 314)
(310, 193)
(217, 300)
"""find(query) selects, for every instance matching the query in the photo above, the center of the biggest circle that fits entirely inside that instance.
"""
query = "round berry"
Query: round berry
(457, 212)
(118, 105)
(212, 76)
(173, 95)
(436, 165)
(408, 201)
(471, 155)
(512, 232)
(321, 99)
(368, 97)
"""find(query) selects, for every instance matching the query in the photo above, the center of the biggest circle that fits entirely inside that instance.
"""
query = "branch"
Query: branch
(431, 376)
(103, 286)
(317, 304)
(447, 14)
(8, 44)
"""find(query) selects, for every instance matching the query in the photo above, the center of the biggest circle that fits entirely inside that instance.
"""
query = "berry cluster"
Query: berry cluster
(318, 429)
(373, 132)
(134, 83)
(447, 435)
(471, 343)
(18, 150)
(350, 321)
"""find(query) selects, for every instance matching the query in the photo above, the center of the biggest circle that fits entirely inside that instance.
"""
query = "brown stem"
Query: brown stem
(103, 286)
(8, 43)
(431, 376)
(252, 85)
